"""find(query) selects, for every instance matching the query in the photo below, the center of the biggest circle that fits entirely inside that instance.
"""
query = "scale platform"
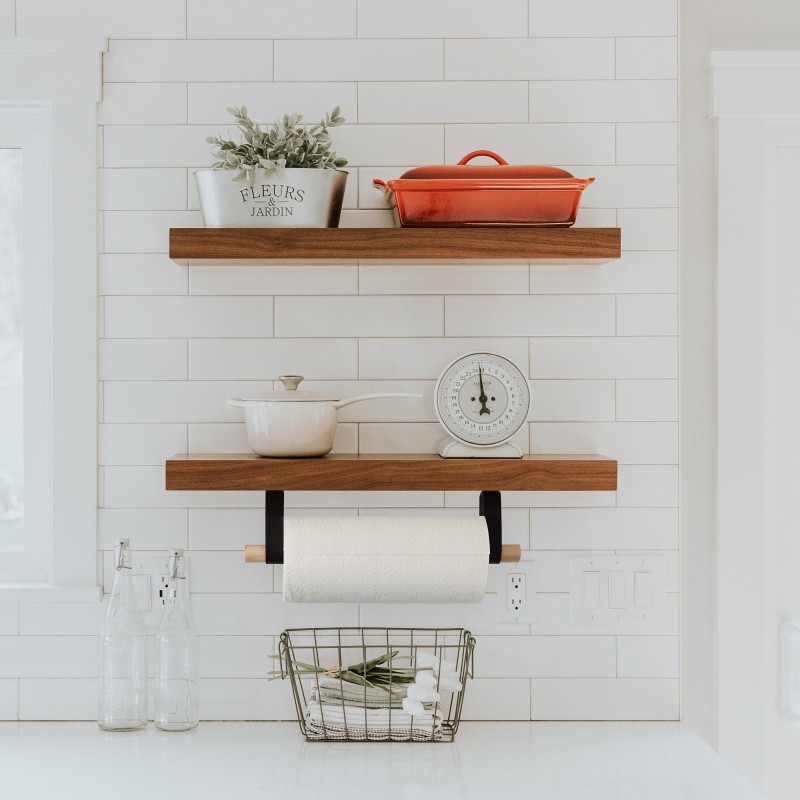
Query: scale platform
(453, 449)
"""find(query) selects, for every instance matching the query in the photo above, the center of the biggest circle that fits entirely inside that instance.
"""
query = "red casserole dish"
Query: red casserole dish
(497, 194)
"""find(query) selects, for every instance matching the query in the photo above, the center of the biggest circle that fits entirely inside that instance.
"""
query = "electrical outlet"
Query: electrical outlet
(165, 590)
(516, 593)
(516, 590)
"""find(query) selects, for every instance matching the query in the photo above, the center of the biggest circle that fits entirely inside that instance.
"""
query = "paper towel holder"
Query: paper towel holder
(271, 551)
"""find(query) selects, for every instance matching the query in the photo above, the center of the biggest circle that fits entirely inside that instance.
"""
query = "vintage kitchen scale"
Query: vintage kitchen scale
(482, 400)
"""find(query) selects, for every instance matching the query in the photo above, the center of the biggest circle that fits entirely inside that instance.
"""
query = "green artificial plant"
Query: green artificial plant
(286, 144)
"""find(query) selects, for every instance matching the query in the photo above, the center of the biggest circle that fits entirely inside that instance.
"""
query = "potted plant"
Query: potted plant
(285, 176)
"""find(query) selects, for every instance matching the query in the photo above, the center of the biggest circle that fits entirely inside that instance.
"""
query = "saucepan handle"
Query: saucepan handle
(351, 400)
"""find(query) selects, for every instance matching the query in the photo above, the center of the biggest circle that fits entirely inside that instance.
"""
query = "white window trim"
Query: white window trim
(756, 105)
(27, 129)
(66, 76)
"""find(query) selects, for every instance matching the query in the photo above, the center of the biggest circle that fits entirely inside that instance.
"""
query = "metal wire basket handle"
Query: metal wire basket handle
(283, 654)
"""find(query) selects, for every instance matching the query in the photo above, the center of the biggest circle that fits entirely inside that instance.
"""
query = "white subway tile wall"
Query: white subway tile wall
(587, 86)
(7, 22)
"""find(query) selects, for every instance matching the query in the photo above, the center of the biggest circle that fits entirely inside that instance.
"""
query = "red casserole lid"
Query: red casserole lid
(497, 194)
(501, 170)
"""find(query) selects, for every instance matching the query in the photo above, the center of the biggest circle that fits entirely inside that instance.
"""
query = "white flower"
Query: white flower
(425, 679)
(415, 708)
(424, 694)
(449, 682)
(447, 666)
(427, 660)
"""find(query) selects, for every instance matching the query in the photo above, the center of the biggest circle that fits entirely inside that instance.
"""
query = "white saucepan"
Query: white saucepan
(295, 423)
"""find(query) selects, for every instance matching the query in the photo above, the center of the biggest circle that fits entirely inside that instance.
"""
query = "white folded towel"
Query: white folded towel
(331, 690)
(324, 721)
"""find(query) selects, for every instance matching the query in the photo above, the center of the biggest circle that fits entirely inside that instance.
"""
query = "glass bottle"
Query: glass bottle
(122, 698)
(177, 647)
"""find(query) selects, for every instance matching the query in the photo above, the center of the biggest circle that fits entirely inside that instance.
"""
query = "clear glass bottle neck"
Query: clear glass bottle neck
(123, 570)
(123, 582)
(178, 594)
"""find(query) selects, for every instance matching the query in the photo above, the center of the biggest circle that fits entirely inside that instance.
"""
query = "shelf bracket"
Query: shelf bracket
(489, 507)
(273, 527)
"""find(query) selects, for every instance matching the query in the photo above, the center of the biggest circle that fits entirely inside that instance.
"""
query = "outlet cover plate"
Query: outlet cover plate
(524, 616)
(617, 589)
(147, 581)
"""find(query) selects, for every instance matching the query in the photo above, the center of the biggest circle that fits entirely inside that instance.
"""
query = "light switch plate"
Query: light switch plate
(622, 588)
(148, 572)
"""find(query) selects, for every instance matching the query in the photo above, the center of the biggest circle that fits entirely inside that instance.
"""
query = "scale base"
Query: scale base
(453, 449)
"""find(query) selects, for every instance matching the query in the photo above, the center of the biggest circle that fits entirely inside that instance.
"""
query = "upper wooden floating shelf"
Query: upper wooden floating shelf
(536, 473)
(262, 245)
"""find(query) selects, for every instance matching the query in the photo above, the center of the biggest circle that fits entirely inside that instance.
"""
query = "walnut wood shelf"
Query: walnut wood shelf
(536, 473)
(263, 245)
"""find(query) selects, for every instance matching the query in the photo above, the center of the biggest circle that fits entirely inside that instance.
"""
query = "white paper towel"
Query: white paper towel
(385, 559)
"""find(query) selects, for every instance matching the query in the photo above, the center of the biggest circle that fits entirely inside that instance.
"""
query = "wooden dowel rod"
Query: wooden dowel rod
(510, 554)
(257, 553)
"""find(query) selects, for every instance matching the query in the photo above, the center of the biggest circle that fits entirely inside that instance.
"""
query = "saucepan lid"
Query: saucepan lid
(291, 394)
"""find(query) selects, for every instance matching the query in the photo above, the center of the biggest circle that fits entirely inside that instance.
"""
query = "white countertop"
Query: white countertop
(487, 760)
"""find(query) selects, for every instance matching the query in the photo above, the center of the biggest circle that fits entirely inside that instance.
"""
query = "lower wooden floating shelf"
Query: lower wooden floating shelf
(267, 245)
(385, 473)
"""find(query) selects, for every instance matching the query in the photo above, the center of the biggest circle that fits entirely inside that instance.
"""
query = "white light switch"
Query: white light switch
(618, 589)
(790, 671)
(643, 589)
(592, 591)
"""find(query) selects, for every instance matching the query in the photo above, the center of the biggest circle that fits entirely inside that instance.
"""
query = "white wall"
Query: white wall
(706, 26)
(755, 103)
(586, 86)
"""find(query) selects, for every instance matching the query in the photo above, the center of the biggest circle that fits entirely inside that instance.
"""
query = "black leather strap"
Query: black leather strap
(489, 507)
(273, 527)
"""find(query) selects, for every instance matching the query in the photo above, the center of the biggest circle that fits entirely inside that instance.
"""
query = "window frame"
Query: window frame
(26, 129)
(65, 77)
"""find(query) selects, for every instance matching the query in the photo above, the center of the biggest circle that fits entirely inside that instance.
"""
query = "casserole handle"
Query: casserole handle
(361, 397)
(475, 153)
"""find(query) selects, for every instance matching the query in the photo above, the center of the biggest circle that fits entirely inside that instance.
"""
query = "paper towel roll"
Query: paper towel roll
(385, 559)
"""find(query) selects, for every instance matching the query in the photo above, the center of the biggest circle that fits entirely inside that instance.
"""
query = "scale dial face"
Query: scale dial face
(482, 399)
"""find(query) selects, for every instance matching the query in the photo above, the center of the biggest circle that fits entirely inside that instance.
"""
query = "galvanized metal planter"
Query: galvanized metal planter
(298, 198)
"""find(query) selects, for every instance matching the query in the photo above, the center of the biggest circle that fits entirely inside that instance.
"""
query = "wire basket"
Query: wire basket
(383, 663)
